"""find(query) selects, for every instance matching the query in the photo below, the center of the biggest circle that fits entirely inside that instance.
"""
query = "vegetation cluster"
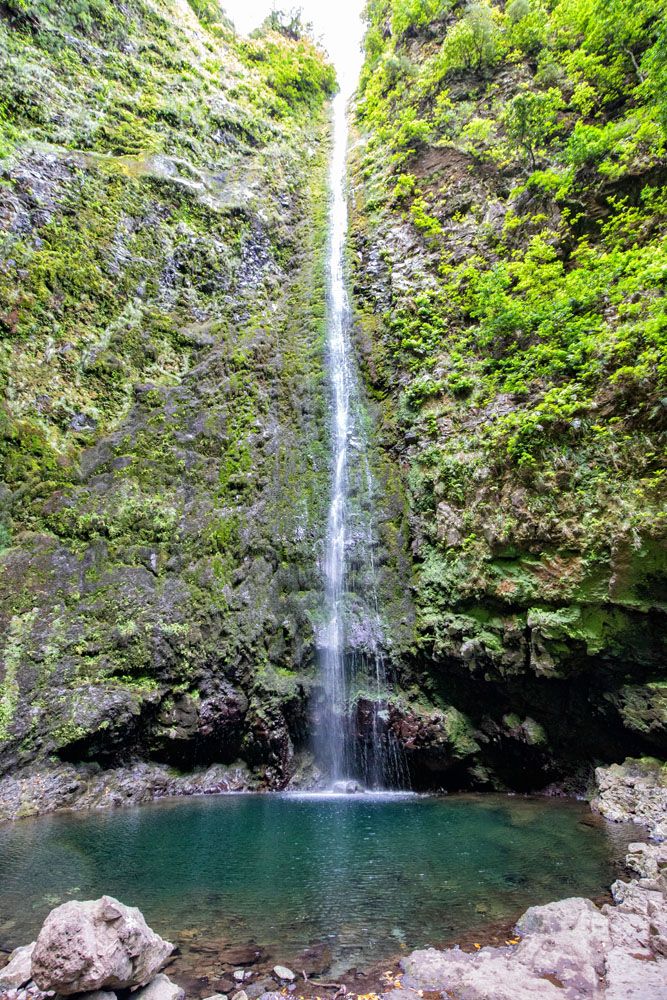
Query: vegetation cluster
(510, 198)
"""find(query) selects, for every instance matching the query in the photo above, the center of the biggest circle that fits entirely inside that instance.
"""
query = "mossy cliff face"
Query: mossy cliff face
(509, 263)
(163, 206)
(164, 431)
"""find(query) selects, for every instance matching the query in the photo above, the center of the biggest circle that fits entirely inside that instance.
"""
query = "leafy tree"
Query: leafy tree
(407, 14)
(296, 71)
(531, 120)
(208, 11)
(526, 25)
(517, 10)
(654, 65)
(473, 42)
(623, 26)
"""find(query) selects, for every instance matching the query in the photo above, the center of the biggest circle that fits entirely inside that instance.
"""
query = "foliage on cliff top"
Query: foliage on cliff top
(521, 148)
(511, 185)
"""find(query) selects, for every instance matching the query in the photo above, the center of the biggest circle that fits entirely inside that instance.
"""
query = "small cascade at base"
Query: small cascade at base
(353, 738)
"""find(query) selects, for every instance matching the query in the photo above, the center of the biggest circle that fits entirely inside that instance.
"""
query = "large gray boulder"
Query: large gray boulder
(96, 945)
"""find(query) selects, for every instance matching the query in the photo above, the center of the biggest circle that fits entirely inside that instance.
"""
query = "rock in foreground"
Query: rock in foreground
(18, 969)
(95, 945)
(571, 950)
(161, 988)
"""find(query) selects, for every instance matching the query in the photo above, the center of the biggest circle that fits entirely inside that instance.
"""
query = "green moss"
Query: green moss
(518, 360)
(460, 733)
(15, 647)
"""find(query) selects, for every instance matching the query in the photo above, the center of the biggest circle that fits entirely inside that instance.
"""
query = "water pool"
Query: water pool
(366, 876)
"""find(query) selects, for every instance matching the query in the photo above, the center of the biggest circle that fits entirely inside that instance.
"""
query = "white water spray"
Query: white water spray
(350, 743)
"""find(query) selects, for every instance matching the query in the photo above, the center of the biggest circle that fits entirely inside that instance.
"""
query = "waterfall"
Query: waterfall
(352, 736)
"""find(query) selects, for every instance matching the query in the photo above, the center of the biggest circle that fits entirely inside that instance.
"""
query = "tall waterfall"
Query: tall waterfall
(352, 736)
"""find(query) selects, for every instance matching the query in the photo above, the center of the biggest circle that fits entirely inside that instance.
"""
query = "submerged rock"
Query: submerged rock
(282, 972)
(264, 985)
(242, 954)
(91, 945)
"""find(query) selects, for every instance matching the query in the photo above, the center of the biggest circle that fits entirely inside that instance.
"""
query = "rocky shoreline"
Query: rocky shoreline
(635, 791)
(571, 949)
(79, 787)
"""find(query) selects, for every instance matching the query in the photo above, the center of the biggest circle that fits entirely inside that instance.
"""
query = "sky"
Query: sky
(337, 23)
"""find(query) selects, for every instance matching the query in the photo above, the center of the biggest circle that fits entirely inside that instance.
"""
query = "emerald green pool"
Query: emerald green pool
(368, 875)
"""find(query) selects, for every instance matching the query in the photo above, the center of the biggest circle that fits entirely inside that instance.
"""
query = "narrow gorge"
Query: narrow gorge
(333, 466)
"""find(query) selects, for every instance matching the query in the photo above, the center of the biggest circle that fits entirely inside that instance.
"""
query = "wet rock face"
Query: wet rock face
(192, 729)
(88, 786)
(539, 611)
(634, 792)
(167, 423)
(89, 946)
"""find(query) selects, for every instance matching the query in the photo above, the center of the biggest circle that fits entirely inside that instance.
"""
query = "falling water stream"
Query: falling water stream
(350, 743)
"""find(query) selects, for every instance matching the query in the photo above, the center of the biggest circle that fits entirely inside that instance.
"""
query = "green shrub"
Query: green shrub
(474, 41)
(295, 71)
(531, 119)
(408, 14)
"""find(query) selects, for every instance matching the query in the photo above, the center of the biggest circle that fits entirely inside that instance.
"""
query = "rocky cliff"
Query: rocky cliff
(163, 209)
(508, 260)
(164, 427)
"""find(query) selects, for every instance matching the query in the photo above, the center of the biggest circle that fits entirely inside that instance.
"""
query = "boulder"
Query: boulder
(282, 972)
(87, 946)
(18, 970)
(346, 787)
(161, 988)
(634, 791)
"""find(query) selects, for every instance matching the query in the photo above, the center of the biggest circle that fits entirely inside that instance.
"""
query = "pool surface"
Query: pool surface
(369, 876)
